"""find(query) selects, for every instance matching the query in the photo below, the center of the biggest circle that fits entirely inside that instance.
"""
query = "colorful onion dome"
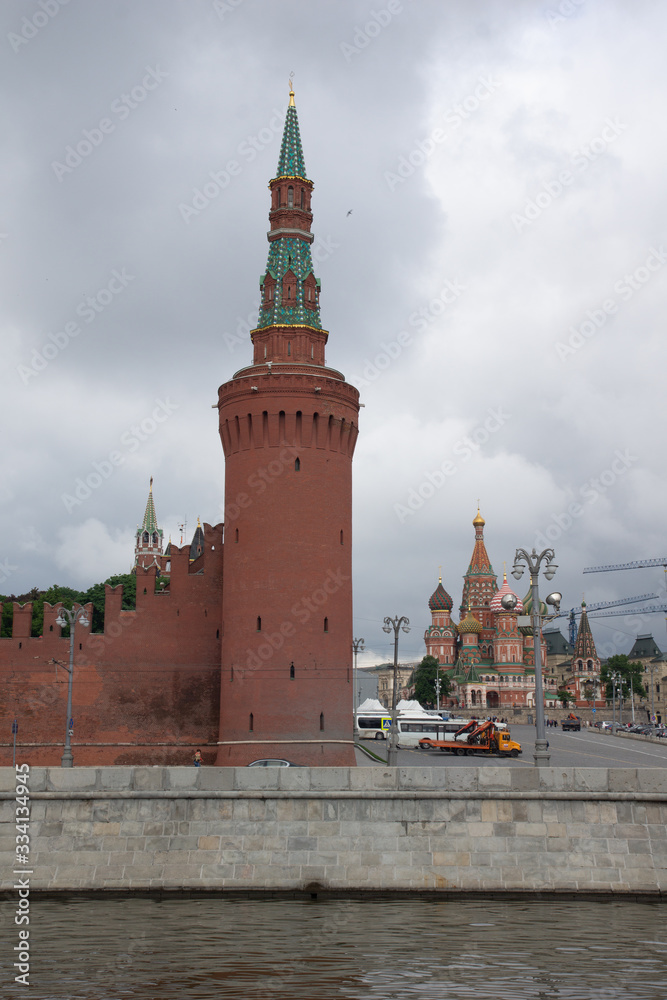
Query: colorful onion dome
(470, 624)
(479, 519)
(528, 605)
(440, 599)
(496, 604)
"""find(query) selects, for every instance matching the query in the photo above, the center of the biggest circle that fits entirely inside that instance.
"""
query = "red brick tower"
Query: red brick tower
(288, 426)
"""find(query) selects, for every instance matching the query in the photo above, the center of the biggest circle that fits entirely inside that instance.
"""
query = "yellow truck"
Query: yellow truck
(475, 737)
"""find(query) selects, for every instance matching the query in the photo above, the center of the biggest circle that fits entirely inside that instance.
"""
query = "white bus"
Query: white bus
(413, 728)
(373, 725)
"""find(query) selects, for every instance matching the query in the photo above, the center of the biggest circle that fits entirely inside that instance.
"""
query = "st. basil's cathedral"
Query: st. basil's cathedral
(488, 656)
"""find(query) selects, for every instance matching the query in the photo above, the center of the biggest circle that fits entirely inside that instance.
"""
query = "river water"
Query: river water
(145, 949)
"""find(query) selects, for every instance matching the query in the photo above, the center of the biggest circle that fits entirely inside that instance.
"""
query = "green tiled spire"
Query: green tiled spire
(294, 302)
(289, 253)
(150, 517)
(291, 162)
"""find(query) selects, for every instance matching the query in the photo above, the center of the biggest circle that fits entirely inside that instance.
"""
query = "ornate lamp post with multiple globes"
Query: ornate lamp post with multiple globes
(394, 624)
(357, 647)
(66, 617)
(534, 562)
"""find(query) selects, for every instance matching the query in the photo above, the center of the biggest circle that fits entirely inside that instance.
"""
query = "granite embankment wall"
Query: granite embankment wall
(460, 829)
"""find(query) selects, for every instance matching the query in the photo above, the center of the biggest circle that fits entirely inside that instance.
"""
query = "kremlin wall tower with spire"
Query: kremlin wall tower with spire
(255, 662)
(240, 644)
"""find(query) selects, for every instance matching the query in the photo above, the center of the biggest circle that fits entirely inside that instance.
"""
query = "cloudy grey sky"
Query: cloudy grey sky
(497, 294)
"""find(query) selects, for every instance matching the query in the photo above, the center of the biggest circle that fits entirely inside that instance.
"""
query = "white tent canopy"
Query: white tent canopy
(371, 707)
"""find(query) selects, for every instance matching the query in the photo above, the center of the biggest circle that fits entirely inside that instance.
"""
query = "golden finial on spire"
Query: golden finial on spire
(504, 571)
(440, 576)
(291, 90)
(151, 486)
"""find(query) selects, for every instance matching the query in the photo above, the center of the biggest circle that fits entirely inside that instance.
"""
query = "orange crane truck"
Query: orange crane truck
(474, 738)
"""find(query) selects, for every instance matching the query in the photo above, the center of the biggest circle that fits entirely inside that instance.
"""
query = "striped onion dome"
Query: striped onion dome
(496, 605)
(440, 599)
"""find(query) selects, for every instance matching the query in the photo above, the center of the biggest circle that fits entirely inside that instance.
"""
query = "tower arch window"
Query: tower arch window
(291, 671)
(321, 722)
(259, 623)
(145, 538)
(297, 464)
(303, 198)
(326, 624)
(341, 536)
(236, 535)
(251, 723)
(290, 197)
(155, 538)
(289, 343)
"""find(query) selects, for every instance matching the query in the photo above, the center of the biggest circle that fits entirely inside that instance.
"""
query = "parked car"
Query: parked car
(273, 762)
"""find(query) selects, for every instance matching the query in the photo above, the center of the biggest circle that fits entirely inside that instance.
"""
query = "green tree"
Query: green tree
(96, 596)
(632, 674)
(424, 682)
(565, 697)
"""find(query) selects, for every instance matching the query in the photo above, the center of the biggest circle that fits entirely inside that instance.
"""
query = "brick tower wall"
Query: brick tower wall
(288, 566)
(144, 691)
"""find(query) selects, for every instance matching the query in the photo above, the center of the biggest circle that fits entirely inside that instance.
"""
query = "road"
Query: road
(583, 749)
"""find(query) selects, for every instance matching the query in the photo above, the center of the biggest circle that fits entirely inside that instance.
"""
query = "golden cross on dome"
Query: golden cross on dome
(291, 90)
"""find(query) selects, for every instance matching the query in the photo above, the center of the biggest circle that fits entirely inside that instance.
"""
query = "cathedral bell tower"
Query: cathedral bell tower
(288, 426)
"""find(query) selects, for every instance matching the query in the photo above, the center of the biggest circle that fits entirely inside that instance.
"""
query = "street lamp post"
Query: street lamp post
(357, 647)
(67, 617)
(614, 677)
(437, 689)
(394, 624)
(534, 562)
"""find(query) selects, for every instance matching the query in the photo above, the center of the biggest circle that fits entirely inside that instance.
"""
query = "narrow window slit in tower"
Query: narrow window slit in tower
(251, 721)
(341, 536)
(291, 671)
(321, 722)
(297, 464)
(236, 536)
(326, 624)
(259, 624)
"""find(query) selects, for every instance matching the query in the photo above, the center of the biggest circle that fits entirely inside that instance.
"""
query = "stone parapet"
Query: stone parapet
(593, 830)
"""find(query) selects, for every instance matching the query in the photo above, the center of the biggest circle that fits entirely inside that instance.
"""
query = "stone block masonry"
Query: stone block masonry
(585, 830)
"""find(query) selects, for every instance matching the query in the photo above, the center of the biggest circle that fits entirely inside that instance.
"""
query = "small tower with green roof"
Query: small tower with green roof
(148, 542)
